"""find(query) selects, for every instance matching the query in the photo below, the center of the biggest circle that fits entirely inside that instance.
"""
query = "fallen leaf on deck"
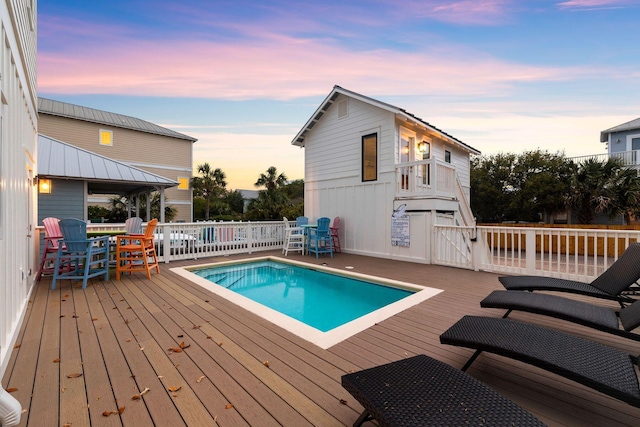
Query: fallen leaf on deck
(107, 413)
(228, 406)
(343, 402)
(200, 379)
(74, 375)
(11, 389)
(175, 350)
(75, 316)
(56, 360)
(195, 327)
(183, 345)
(66, 425)
(173, 388)
(180, 336)
(16, 346)
(94, 318)
(136, 397)
(266, 363)
(146, 390)
(121, 410)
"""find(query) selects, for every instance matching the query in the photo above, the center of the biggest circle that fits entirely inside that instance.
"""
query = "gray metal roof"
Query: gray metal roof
(63, 109)
(57, 159)
(632, 125)
(399, 112)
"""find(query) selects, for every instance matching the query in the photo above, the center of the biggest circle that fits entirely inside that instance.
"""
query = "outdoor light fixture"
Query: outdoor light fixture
(44, 186)
(405, 149)
(422, 146)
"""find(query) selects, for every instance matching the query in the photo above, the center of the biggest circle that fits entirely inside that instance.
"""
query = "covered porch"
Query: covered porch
(164, 351)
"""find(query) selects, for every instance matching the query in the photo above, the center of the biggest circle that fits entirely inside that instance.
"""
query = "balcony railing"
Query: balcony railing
(425, 178)
(628, 158)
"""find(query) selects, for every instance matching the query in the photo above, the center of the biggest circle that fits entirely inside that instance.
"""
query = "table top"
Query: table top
(99, 233)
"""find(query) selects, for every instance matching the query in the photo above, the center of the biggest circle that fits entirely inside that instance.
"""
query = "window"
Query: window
(635, 143)
(183, 183)
(370, 157)
(106, 137)
(447, 156)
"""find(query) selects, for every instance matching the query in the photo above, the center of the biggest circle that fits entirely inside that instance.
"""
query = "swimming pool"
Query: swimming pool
(320, 304)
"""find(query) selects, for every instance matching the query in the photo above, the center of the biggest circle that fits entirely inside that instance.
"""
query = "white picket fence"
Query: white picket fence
(569, 253)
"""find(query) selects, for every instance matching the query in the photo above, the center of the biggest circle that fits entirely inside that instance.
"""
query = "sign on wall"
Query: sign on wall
(400, 230)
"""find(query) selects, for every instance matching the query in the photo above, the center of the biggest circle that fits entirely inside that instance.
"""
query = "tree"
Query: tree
(491, 186)
(540, 182)
(235, 202)
(119, 208)
(272, 199)
(605, 187)
(211, 185)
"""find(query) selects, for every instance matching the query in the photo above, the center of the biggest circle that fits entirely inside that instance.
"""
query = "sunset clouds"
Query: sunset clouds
(465, 65)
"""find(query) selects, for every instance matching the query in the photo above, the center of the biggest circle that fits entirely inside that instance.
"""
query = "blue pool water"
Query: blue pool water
(319, 299)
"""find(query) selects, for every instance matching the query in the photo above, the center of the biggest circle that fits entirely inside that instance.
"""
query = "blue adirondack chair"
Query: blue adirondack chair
(320, 240)
(84, 258)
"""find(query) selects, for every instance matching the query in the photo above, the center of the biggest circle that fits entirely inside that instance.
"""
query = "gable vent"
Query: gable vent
(343, 108)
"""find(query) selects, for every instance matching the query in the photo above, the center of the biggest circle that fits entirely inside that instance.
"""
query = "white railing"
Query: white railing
(180, 241)
(628, 158)
(569, 253)
(425, 178)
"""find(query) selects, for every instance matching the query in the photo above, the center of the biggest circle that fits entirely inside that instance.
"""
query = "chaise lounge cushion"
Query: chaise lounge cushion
(421, 391)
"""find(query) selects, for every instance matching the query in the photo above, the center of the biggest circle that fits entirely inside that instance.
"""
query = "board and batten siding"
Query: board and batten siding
(18, 200)
(333, 176)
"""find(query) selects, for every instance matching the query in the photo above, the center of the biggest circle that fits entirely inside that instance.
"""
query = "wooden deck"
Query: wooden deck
(165, 352)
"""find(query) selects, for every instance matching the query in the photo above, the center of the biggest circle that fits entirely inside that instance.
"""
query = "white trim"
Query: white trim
(629, 138)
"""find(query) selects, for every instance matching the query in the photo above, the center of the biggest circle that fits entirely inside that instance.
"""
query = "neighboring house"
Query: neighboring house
(247, 197)
(69, 175)
(623, 141)
(18, 168)
(126, 139)
(366, 159)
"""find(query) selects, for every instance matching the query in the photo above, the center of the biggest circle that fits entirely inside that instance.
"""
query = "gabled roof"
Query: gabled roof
(399, 112)
(57, 159)
(63, 109)
(632, 125)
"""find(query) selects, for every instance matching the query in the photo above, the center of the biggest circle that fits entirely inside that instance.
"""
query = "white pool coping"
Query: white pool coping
(323, 340)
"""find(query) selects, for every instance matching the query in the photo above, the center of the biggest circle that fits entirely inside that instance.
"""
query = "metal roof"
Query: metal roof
(632, 125)
(57, 159)
(63, 109)
(399, 112)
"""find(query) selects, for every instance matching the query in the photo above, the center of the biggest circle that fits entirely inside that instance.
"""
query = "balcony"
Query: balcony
(628, 158)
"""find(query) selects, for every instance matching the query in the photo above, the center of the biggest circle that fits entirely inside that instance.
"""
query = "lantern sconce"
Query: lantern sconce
(44, 186)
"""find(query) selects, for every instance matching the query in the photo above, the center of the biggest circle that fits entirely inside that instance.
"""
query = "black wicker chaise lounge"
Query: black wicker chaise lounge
(614, 283)
(421, 391)
(594, 316)
(602, 368)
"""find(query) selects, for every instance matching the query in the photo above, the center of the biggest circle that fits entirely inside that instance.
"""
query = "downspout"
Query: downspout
(10, 409)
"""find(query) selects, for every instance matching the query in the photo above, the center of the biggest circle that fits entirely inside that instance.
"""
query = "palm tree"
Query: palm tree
(272, 199)
(603, 187)
(210, 185)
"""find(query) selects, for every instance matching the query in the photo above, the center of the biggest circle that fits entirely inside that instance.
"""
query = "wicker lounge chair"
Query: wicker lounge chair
(602, 368)
(614, 284)
(582, 313)
(421, 391)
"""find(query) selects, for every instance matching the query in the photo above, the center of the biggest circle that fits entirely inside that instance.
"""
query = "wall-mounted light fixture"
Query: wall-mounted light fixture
(422, 146)
(405, 149)
(44, 186)
(618, 140)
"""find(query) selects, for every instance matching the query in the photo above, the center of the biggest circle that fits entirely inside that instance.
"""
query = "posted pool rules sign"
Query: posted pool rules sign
(400, 230)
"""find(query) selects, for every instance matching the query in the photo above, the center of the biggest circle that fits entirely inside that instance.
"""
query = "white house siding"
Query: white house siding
(18, 130)
(333, 182)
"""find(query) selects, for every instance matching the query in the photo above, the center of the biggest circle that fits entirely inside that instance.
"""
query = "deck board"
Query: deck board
(119, 335)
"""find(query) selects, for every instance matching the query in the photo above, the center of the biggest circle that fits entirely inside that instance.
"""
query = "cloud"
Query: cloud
(594, 4)
(275, 66)
(464, 12)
